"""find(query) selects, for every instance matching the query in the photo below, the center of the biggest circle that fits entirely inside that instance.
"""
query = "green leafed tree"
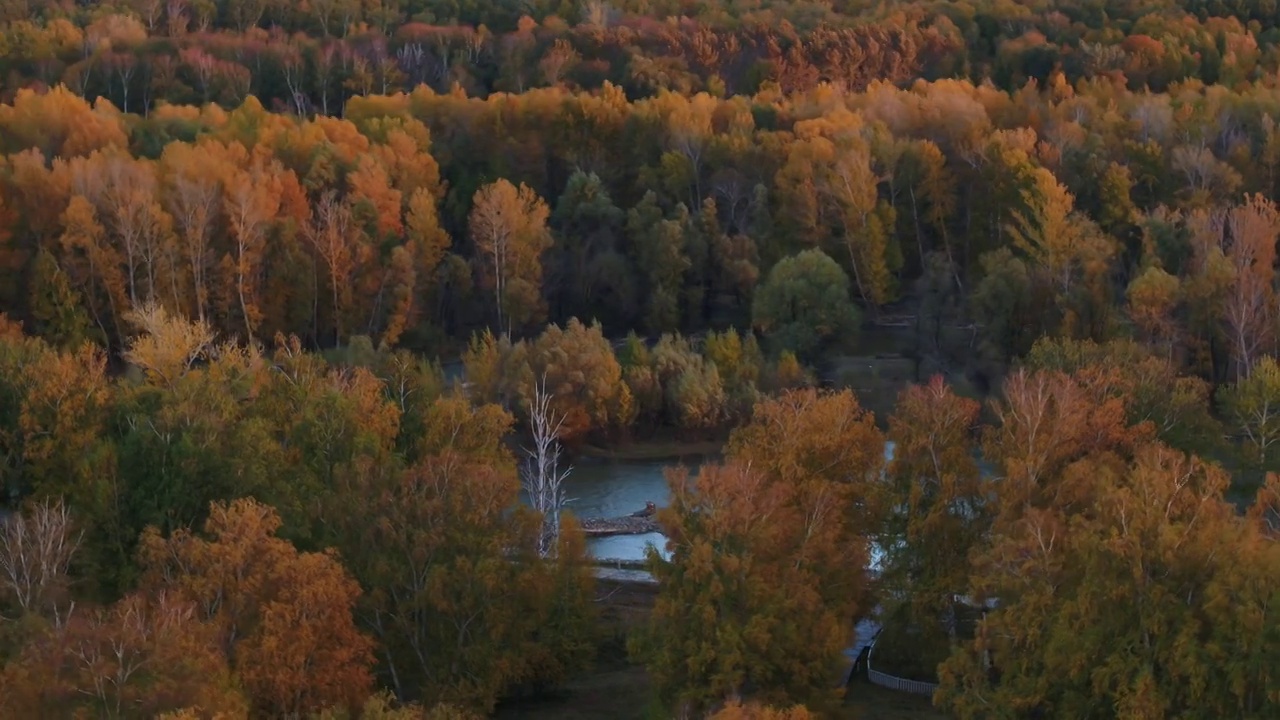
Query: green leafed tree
(462, 607)
(1113, 608)
(1252, 409)
(658, 250)
(804, 304)
(591, 278)
(935, 518)
(56, 307)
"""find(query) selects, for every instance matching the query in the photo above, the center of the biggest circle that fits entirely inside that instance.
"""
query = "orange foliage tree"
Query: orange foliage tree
(768, 557)
(283, 618)
(1109, 558)
(462, 605)
(735, 710)
(143, 656)
(584, 380)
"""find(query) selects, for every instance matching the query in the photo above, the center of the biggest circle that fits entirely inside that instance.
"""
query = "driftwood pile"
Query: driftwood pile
(627, 525)
(637, 523)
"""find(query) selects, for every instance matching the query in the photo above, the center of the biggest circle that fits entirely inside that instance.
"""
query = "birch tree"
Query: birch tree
(1252, 408)
(541, 474)
(251, 203)
(192, 194)
(35, 551)
(334, 236)
(1233, 258)
(509, 228)
(1253, 229)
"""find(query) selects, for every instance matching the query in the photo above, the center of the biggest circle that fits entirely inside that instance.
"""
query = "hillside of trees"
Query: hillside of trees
(238, 240)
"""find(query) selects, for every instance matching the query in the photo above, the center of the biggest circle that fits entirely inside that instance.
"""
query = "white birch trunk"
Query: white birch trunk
(541, 475)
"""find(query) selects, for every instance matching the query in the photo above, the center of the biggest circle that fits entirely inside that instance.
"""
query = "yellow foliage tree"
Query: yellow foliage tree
(509, 228)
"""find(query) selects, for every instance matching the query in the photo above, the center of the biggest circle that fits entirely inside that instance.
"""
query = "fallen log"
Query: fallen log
(621, 564)
(628, 525)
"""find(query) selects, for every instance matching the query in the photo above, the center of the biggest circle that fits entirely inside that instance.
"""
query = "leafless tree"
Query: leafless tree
(1254, 227)
(541, 473)
(598, 13)
(35, 551)
(412, 59)
(1245, 237)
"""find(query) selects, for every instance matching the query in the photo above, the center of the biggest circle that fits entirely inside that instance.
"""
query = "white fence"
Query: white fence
(901, 684)
(915, 687)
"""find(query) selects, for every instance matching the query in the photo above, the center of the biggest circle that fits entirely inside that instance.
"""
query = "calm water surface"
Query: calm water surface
(598, 488)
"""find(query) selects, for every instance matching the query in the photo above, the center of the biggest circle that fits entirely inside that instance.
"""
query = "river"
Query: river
(599, 488)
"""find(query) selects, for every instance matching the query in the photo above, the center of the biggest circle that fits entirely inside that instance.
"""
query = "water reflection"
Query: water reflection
(610, 489)
(598, 488)
(627, 547)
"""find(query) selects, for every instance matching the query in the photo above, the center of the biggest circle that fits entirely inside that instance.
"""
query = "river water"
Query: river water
(598, 488)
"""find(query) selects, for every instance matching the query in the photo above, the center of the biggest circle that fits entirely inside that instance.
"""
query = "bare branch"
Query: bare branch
(35, 552)
(541, 475)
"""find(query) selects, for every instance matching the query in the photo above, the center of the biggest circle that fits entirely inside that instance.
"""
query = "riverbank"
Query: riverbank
(653, 450)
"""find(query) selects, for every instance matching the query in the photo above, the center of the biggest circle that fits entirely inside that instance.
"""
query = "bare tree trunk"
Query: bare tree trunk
(499, 278)
(244, 306)
(540, 473)
(35, 552)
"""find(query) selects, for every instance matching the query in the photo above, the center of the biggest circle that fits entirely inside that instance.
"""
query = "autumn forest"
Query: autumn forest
(308, 309)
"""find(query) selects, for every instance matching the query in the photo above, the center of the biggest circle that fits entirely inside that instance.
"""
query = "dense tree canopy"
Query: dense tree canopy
(257, 613)
(768, 557)
(237, 239)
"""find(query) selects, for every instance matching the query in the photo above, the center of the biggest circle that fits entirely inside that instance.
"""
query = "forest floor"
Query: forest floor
(875, 380)
(878, 380)
(618, 689)
(625, 692)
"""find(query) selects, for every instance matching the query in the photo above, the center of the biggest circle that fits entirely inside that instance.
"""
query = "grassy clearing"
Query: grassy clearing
(877, 380)
(615, 687)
